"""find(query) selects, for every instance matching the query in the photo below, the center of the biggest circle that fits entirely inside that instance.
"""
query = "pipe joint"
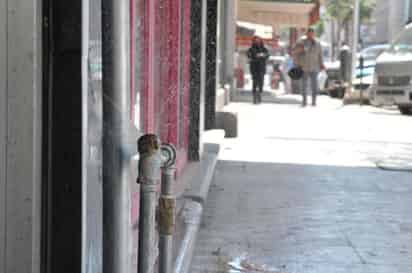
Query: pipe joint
(150, 162)
(168, 152)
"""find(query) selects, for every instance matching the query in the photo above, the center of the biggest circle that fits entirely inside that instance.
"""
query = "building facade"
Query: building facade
(390, 17)
(80, 81)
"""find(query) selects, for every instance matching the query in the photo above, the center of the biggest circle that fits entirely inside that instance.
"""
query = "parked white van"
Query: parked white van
(392, 84)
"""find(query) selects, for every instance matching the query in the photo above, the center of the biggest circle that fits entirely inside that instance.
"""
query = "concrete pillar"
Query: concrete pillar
(213, 66)
(230, 42)
(198, 76)
(20, 135)
(227, 26)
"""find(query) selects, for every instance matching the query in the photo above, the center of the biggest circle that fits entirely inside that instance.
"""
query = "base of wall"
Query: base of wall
(228, 121)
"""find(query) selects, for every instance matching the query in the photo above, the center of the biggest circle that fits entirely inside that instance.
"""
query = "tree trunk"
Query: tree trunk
(333, 39)
(339, 34)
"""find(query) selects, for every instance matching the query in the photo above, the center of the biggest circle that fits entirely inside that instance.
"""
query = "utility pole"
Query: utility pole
(356, 23)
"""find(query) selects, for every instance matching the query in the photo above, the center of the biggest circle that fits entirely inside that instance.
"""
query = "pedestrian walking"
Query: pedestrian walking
(309, 53)
(258, 56)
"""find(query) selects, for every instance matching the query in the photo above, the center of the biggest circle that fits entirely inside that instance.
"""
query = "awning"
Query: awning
(251, 29)
(292, 13)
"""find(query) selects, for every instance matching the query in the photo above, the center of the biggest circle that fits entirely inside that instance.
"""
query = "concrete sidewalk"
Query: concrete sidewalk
(277, 96)
(300, 192)
(190, 200)
(268, 96)
(306, 219)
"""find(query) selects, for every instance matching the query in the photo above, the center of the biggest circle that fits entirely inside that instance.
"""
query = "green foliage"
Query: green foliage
(342, 10)
(366, 9)
(319, 27)
(339, 9)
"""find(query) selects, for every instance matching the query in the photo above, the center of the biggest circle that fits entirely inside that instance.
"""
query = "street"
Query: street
(311, 190)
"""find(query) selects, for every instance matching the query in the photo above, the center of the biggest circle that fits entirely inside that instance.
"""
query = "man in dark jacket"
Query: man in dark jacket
(258, 55)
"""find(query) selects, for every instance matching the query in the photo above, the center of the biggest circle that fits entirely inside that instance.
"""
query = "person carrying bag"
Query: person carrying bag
(258, 56)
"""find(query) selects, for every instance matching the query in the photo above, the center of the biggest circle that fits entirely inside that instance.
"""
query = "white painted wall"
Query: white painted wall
(397, 18)
(390, 17)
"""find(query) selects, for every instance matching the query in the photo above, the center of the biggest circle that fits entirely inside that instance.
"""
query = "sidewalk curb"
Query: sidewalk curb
(393, 166)
(199, 194)
(194, 200)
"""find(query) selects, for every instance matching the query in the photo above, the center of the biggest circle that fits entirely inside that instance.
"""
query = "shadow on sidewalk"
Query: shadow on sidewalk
(267, 97)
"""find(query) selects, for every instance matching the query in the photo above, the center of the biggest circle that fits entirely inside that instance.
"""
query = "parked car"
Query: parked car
(392, 84)
(335, 86)
(363, 84)
(364, 76)
(371, 53)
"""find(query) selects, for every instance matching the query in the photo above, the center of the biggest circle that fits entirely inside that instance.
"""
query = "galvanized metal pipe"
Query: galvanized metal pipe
(147, 229)
(167, 205)
(149, 179)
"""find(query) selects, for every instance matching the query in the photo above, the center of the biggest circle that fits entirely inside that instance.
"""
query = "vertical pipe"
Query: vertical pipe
(116, 113)
(167, 205)
(149, 178)
(167, 210)
(147, 229)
